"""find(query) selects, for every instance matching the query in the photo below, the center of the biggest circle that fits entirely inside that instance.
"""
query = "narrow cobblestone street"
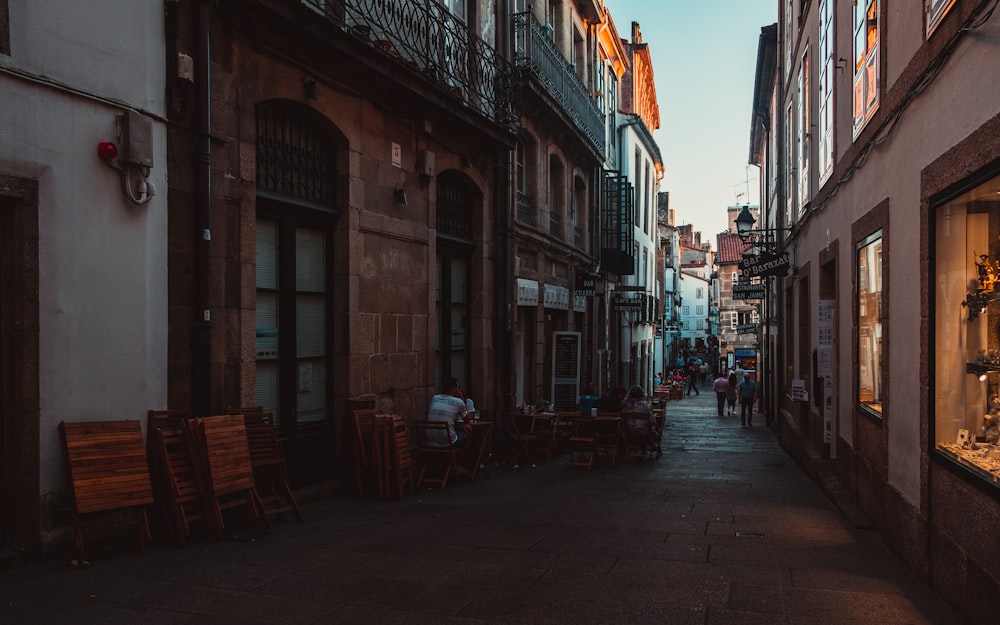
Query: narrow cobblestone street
(723, 529)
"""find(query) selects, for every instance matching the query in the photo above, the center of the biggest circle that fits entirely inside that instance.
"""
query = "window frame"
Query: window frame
(935, 12)
(825, 91)
(959, 394)
(866, 73)
(877, 337)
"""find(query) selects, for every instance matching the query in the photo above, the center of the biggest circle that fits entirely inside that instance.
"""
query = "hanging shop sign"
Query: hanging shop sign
(765, 265)
(527, 292)
(555, 297)
(749, 291)
(628, 304)
(746, 328)
(586, 285)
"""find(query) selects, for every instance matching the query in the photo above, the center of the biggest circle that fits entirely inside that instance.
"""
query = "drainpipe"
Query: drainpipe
(505, 207)
(201, 322)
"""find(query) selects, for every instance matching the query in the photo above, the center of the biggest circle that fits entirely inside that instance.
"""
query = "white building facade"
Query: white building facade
(84, 250)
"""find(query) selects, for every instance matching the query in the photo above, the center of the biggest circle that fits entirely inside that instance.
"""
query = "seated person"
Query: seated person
(638, 416)
(449, 407)
(612, 400)
(587, 400)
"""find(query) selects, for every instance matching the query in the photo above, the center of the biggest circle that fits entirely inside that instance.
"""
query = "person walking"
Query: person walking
(732, 394)
(692, 376)
(721, 388)
(748, 390)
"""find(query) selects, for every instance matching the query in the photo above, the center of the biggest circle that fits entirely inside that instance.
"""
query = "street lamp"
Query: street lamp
(745, 222)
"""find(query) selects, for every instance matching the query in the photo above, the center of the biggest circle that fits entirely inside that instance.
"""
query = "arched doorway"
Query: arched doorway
(296, 213)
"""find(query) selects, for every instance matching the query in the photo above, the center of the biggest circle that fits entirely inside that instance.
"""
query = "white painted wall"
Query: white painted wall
(73, 68)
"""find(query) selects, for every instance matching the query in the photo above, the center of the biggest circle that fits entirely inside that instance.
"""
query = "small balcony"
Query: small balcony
(617, 231)
(524, 209)
(537, 56)
(425, 38)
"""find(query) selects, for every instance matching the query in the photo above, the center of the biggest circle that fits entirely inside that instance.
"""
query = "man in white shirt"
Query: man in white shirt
(449, 407)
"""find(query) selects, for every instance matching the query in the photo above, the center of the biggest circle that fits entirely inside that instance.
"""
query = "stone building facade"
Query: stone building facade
(878, 131)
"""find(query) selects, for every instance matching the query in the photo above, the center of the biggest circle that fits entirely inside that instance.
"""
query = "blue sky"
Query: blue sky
(704, 58)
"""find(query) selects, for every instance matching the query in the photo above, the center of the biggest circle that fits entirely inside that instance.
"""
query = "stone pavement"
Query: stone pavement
(724, 529)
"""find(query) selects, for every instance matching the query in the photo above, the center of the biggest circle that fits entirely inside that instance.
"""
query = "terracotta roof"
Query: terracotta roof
(731, 248)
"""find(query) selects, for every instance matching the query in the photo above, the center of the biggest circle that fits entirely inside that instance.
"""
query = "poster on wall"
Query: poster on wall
(828, 409)
(565, 370)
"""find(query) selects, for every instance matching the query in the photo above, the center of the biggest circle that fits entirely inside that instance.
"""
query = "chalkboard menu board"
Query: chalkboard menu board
(566, 370)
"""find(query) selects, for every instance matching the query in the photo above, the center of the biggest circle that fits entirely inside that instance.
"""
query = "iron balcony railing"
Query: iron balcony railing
(535, 52)
(426, 37)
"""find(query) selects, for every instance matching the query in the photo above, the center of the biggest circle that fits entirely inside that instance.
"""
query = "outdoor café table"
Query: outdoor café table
(479, 442)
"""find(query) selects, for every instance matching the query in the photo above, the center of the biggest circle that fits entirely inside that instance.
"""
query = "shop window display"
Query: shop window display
(869, 325)
(966, 422)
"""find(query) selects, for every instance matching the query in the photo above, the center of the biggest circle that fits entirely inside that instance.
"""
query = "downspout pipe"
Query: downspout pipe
(201, 322)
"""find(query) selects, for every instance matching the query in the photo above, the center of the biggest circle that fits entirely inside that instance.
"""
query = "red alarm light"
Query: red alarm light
(107, 150)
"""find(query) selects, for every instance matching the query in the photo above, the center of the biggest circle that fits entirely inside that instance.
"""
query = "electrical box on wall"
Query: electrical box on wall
(425, 163)
(136, 139)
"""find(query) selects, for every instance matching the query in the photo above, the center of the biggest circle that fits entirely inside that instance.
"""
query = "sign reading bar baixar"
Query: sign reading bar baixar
(765, 265)
(749, 291)
(746, 328)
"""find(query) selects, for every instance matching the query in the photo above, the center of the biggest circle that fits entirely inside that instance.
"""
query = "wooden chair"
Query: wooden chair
(520, 440)
(399, 464)
(441, 457)
(108, 472)
(608, 426)
(661, 423)
(636, 437)
(677, 391)
(543, 427)
(175, 472)
(253, 414)
(270, 472)
(582, 443)
(224, 459)
(368, 454)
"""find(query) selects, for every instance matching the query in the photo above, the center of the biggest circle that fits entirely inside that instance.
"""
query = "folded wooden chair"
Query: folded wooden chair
(108, 473)
(399, 463)
(175, 472)
(369, 451)
(224, 459)
(270, 472)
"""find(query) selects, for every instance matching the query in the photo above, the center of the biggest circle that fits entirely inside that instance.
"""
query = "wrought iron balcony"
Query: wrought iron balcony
(537, 54)
(427, 38)
(524, 209)
(617, 232)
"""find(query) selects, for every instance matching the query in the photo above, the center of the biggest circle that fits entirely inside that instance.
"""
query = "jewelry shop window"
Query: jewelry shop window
(966, 269)
(869, 324)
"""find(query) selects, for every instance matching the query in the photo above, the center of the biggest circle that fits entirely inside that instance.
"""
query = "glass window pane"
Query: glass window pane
(267, 255)
(266, 387)
(310, 329)
(310, 260)
(869, 280)
(310, 396)
(966, 373)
